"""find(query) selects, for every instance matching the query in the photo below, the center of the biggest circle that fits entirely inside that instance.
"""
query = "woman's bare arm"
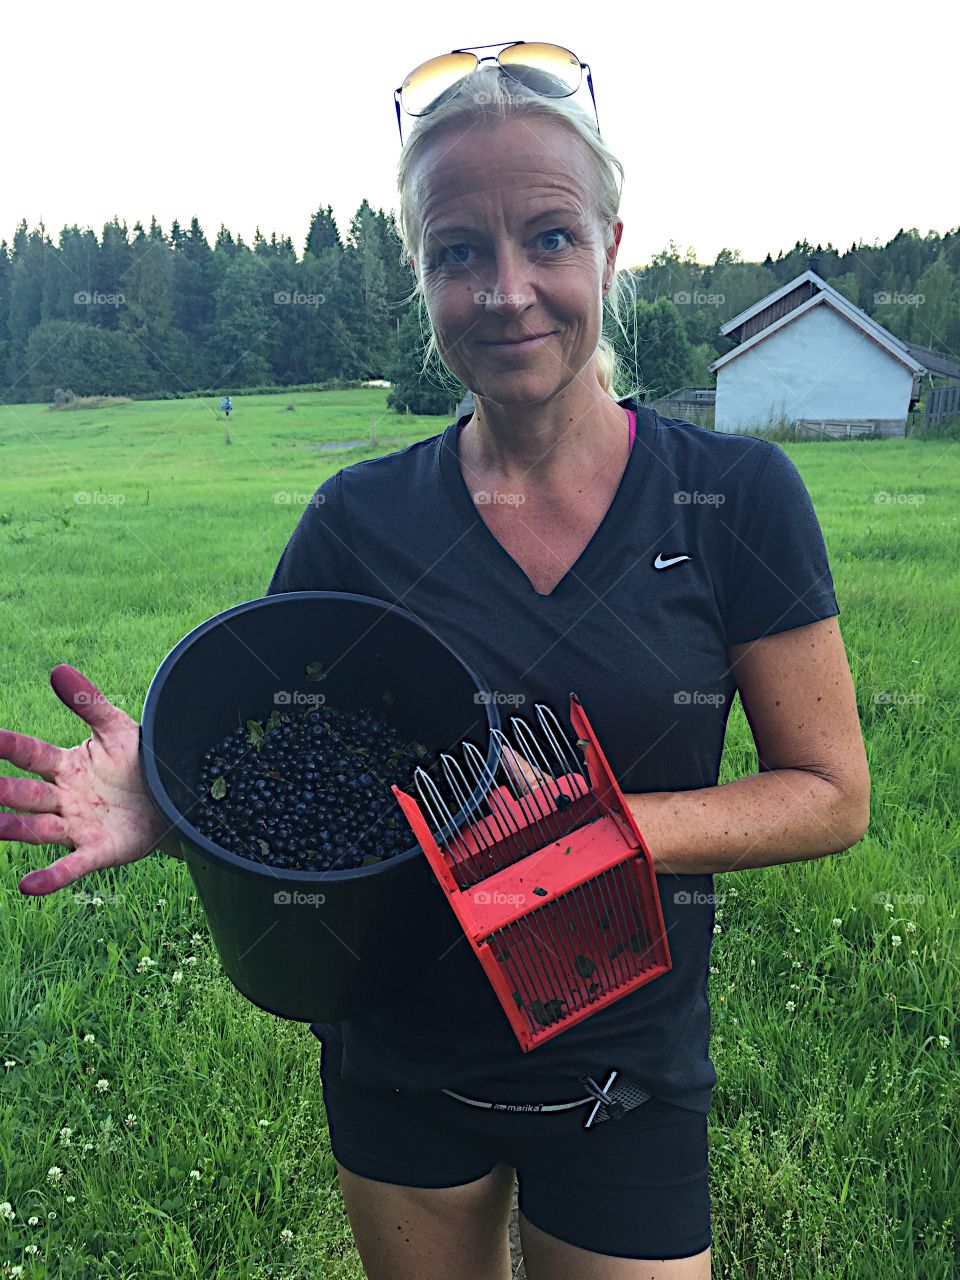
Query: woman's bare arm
(812, 796)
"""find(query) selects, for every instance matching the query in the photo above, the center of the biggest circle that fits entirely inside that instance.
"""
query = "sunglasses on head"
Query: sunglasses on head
(547, 69)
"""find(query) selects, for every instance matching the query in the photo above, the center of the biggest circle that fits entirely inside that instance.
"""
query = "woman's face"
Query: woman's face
(511, 249)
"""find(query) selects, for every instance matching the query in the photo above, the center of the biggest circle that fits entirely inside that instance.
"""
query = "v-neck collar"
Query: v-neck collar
(456, 487)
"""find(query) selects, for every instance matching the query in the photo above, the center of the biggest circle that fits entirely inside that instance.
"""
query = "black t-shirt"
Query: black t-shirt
(645, 649)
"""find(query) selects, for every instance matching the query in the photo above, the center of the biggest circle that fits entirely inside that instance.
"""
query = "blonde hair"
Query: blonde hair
(488, 96)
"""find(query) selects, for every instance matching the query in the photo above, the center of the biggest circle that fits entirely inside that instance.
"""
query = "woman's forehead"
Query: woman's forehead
(519, 168)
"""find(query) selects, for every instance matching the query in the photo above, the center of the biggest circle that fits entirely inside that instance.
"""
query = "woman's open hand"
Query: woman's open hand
(93, 798)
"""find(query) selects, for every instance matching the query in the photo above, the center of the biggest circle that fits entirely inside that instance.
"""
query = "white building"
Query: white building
(806, 354)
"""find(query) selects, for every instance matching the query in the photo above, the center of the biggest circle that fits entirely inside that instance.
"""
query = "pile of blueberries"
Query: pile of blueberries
(309, 789)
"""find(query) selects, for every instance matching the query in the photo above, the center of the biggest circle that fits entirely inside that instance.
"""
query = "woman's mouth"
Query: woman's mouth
(523, 344)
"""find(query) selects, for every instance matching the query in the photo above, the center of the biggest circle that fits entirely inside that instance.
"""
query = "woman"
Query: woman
(559, 538)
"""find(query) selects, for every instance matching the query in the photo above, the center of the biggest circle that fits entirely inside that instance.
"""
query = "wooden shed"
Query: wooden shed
(807, 355)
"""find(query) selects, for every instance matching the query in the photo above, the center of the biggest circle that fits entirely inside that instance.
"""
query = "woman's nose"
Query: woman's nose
(509, 290)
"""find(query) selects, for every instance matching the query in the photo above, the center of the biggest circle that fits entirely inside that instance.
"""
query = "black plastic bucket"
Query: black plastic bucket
(312, 945)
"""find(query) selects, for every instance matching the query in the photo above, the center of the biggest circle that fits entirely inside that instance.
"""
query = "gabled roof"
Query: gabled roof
(826, 296)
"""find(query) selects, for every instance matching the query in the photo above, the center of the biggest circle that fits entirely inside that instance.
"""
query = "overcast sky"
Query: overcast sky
(740, 125)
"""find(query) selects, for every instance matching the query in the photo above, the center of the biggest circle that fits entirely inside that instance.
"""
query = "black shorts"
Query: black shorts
(636, 1187)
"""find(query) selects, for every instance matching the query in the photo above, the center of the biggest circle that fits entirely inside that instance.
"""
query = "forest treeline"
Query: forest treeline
(154, 313)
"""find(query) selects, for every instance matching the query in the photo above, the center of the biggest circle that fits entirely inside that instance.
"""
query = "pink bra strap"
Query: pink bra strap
(633, 426)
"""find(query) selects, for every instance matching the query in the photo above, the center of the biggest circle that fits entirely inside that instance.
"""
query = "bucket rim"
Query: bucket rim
(183, 830)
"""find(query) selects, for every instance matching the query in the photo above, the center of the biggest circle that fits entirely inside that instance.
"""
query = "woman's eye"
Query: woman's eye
(451, 250)
(558, 231)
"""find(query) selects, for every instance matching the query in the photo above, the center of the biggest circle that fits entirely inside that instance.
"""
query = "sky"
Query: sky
(744, 126)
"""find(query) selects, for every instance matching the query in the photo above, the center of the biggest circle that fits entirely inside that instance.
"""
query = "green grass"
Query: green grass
(834, 1132)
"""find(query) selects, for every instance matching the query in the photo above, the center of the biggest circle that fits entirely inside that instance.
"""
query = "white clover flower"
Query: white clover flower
(190, 960)
(192, 898)
(131, 1120)
(195, 1175)
(7, 1211)
(54, 1174)
(71, 1199)
(714, 969)
(797, 964)
(794, 986)
(161, 902)
(836, 922)
(263, 1123)
(796, 930)
(196, 939)
(9, 1062)
(65, 1136)
(89, 1038)
(753, 964)
(16, 1270)
(87, 1146)
(888, 906)
(911, 927)
(896, 940)
(286, 1234)
(103, 1085)
(177, 975)
(717, 928)
(790, 1006)
(32, 1222)
(32, 1248)
(944, 1042)
(732, 892)
(51, 1215)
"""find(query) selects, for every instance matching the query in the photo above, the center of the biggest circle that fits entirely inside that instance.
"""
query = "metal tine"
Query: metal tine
(554, 732)
(529, 744)
(458, 785)
(483, 777)
(426, 784)
(496, 804)
(512, 774)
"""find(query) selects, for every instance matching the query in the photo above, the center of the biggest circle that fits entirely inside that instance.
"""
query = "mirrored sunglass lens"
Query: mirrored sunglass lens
(428, 82)
(545, 68)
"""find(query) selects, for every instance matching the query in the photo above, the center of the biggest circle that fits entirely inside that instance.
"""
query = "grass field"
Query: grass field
(188, 1127)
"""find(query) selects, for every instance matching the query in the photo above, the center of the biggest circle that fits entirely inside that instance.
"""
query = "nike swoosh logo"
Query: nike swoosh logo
(660, 563)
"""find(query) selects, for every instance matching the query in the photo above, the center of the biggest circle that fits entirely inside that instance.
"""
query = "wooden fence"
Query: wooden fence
(942, 404)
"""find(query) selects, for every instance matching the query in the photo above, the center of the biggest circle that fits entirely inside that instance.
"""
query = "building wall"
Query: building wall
(818, 367)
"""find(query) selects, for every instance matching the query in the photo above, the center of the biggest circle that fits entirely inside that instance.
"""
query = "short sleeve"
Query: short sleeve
(314, 557)
(778, 575)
